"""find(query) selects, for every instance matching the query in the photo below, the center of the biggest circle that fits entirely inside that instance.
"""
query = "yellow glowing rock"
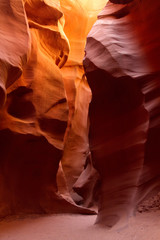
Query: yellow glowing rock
(79, 18)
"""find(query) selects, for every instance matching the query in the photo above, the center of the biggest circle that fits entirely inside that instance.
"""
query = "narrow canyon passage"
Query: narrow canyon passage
(79, 117)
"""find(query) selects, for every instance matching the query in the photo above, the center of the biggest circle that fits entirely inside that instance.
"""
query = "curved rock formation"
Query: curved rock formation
(122, 52)
(14, 47)
(45, 157)
(77, 90)
(34, 119)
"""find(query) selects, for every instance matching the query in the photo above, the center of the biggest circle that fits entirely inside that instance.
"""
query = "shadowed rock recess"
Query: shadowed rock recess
(74, 137)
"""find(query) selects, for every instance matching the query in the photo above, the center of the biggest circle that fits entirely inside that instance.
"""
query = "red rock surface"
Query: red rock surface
(122, 53)
(34, 118)
(39, 100)
(46, 160)
(14, 47)
(78, 93)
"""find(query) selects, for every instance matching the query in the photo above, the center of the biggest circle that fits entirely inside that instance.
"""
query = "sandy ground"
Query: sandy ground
(145, 226)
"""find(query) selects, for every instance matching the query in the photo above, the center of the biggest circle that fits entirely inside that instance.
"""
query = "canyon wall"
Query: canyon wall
(121, 65)
(53, 158)
(44, 105)
(34, 117)
(76, 150)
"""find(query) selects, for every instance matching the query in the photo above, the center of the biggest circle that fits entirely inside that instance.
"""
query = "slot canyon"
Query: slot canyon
(80, 117)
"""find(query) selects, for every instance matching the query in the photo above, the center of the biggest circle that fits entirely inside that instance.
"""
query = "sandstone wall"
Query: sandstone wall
(43, 108)
(122, 53)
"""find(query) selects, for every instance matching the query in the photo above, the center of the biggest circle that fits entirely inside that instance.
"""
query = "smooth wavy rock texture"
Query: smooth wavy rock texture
(121, 65)
(14, 42)
(47, 163)
(34, 119)
(76, 150)
(43, 107)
